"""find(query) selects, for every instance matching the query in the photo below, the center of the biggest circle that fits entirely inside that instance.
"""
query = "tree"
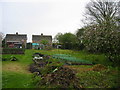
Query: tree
(79, 35)
(103, 35)
(58, 37)
(2, 40)
(44, 42)
(46, 45)
(118, 15)
(1, 36)
(68, 40)
(102, 12)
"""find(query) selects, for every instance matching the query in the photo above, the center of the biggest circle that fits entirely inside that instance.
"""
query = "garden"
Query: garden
(57, 69)
(87, 59)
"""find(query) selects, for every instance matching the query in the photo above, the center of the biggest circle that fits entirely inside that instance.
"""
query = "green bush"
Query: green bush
(13, 51)
(48, 48)
(99, 39)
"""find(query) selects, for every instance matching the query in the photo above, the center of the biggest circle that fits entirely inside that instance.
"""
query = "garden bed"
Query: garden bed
(16, 74)
(52, 73)
(68, 59)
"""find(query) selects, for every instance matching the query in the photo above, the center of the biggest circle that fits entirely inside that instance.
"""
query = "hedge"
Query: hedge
(13, 51)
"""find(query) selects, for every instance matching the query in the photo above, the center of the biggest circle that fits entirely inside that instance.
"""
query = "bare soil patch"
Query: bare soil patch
(79, 69)
(15, 67)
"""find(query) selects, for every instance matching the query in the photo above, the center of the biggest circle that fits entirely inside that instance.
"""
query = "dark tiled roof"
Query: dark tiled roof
(16, 37)
(41, 37)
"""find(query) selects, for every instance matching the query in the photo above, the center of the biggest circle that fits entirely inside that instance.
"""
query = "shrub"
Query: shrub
(13, 59)
(13, 51)
(48, 48)
(99, 39)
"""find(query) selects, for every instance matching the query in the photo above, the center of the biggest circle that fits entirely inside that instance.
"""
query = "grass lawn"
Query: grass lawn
(16, 80)
(15, 74)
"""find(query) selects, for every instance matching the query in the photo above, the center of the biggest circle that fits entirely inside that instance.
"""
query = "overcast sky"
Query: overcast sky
(41, 16)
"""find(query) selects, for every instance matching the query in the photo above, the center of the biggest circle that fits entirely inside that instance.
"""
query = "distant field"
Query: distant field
(16, 74)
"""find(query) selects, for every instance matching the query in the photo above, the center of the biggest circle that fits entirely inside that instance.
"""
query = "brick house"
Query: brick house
(36, 41)
(16, 40)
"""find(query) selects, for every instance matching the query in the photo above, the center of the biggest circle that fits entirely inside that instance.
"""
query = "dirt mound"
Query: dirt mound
(61, 77)
(53, 74)
(33, 68)
(98, 67)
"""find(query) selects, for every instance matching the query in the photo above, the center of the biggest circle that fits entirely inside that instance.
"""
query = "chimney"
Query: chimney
(16, 33)
(41, 34)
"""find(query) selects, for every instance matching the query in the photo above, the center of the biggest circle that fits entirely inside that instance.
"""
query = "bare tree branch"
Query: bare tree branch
(102, 11)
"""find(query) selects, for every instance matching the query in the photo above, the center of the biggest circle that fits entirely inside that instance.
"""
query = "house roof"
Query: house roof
(16, 37)
(41, 37)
